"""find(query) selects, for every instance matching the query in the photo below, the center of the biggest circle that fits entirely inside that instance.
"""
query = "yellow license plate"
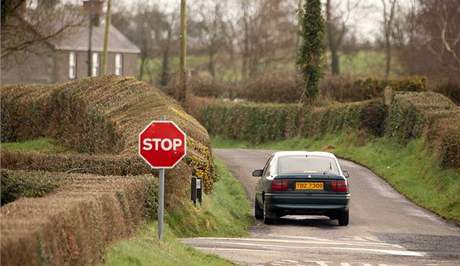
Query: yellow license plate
(309, 186)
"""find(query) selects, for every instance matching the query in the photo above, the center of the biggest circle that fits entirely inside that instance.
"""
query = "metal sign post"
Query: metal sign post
(161, 203)
(162, 144)
(161, 200)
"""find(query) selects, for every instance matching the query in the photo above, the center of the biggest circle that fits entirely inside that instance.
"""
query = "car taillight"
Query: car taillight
(339, 186)
(279, 185)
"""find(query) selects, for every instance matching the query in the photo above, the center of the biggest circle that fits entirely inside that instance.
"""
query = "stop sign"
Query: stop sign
(162, 144)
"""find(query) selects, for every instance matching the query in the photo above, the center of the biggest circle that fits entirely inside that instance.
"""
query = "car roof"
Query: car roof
(304, 153)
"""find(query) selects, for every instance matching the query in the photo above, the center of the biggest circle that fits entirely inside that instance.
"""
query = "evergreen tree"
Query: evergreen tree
(309, 58)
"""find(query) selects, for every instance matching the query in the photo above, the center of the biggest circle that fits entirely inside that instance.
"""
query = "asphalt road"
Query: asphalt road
(385, 228)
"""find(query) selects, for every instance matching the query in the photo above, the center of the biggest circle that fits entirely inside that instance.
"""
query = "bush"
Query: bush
(285, 87)
(259, 123)
(449, 89)
(366, 115)
(75, 224)
(411, 113)
(254, 122)
(98, 115)
(444, 138)
(274, 87)
(103, 165)
(14, 185)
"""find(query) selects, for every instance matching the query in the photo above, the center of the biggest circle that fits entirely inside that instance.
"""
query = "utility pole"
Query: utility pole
(106, 37)
(181, 90)
(94, 9)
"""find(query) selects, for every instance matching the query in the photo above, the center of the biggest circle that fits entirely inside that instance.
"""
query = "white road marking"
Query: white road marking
(384, 251)
(323, 263)
(237, 249)
(324, 242)
(345, 264)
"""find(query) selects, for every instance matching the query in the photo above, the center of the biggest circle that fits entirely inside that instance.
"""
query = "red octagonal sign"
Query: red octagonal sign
(162, 144)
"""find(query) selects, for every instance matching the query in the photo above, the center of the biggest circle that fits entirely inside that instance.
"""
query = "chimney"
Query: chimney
(21, 7)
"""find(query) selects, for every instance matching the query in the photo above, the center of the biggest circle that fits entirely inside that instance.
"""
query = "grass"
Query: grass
(44, 145)
(226, 212)
(146, 249)
(411, 168)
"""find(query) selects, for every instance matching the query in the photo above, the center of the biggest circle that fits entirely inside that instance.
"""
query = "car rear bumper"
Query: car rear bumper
(306, 203)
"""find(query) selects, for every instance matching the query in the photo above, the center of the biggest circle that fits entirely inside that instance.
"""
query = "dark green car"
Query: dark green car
(302, 183)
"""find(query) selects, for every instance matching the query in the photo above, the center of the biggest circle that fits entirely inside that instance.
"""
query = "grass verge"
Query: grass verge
(146, 249)
(226, 212)
(411, 169)
(44, 145)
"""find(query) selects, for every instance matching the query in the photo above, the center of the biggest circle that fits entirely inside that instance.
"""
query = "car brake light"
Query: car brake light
(339, 186)
(279, 184)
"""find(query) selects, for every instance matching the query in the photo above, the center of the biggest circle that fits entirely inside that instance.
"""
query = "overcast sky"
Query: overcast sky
(365, 22)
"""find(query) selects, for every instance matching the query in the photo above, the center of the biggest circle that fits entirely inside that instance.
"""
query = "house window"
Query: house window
(72, 65)
(95, 65)
(118, 64)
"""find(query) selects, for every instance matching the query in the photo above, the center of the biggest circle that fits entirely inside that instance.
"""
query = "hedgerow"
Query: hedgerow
(99, 116)
(75, 224)
(429, 115)
(411, 115)
(14, 185)
(286, 87)
(268, 122)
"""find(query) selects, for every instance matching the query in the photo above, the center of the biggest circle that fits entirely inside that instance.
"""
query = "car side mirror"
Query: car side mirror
(258, 173)
(346, 174)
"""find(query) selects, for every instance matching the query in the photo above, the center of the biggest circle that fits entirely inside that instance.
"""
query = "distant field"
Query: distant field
(45, 145)
(365, 63)
(368, 64)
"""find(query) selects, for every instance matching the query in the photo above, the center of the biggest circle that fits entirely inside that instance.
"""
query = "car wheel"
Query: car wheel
(258, 211)
(267, 215)
(344, 218)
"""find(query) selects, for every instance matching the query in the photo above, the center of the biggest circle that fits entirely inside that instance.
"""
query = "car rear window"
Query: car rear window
(306, 165)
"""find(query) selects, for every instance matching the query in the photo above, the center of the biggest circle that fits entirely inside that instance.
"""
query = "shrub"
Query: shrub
(449, 89)
(273, 87)
(75, 224)
(259, 123)
(103, 165)
(285, 87)
(15, 185)
(411, 113)
(444, 138)
(98, 115)
(254, 122)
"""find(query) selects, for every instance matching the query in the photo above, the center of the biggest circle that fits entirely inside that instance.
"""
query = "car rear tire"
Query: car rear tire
(267, 215)
(344, 218)
(258, 211)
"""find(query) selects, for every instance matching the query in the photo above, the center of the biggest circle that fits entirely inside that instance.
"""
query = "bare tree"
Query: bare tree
(337, 25)
(23, 28)
(389, 10)
(430, 39)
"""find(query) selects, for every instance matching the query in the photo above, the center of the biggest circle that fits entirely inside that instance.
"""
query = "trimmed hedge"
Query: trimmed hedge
(288, 87)
(259, 123)
(254, 122)
(411, 115)
(14, 186)
(102, 165)
(430, 115)
(74, 225)
(99, 115)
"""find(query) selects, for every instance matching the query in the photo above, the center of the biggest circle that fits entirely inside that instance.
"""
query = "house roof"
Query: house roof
(76, 39)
